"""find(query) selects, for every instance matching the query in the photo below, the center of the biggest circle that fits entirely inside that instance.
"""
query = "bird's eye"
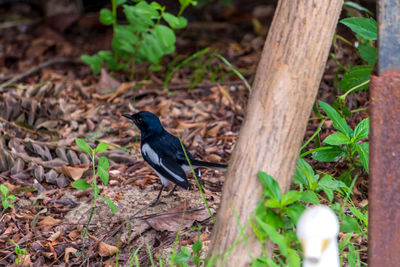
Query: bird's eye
(140, 121)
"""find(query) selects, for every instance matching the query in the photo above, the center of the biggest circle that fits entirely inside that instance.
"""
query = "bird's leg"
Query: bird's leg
(198, 175)
(170, 194)
(157, 200)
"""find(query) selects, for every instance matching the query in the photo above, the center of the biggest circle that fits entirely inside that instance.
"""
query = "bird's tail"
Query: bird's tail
(215, 166)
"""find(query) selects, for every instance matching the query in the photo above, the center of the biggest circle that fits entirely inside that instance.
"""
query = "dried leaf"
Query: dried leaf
(121, 89)
(73, 235)
(48, 221)
(54, 236)
(27, 261)
(69, 250)
(171, 220)
(107, 82)
(75, 172)
(107, 250)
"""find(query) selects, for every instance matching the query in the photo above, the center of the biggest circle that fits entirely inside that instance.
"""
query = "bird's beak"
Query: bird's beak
(129, 116)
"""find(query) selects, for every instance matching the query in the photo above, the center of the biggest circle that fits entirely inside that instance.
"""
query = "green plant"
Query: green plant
(99, 169)
(346, 143)
(20, 252)
(366, 32)
(6, 198)
(277, 214)
(143, 39)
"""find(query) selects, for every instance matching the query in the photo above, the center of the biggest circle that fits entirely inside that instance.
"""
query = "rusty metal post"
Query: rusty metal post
(384, 186)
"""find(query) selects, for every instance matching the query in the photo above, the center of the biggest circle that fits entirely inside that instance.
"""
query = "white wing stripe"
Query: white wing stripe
(177, 177)
(149, 152)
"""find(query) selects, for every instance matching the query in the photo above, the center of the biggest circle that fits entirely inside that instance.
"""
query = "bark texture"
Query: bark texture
(284, 90)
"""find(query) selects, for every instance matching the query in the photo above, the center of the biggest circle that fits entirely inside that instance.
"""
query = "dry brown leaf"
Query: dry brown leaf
(27, 261)
(171, 220)
(69, 250)
(121, 89)
(48, 221)
(107, 250)
(74, 172)
(107, 82)
(73, 235)
(215, 130)
(54, 236)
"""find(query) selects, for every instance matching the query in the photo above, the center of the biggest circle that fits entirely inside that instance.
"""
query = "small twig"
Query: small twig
(39, 67)
(204, 85)
(16, 125)
(165, 213)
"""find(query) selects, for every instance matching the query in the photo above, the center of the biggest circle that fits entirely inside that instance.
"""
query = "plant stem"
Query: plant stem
(343, 97)
(197, 182)
(114, 14)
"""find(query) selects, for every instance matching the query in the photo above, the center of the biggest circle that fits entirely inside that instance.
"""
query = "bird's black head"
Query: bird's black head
(147, 122)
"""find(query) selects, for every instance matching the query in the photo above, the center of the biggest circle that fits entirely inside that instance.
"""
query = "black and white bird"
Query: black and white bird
(164, 153)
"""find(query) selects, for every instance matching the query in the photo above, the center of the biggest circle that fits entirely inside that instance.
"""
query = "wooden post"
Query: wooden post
(284, 90)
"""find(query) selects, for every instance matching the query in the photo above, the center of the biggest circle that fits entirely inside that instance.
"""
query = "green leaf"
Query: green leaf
(110, 60)
(271, 186)
(349, 225)
(363, 152)
(11, 198)
(356, 76)
(309, 197)
(95, 62)
(361, 130)
(103, 175)
(293, 258)
(4, 189)
(294, 211)
(140, 16)
(143, 9)
(155, 67)
(273, 219)
(156, 5)
(337, 139)
(197, 246)
(330, 154)
(368, 53)
(110, 204)
(357, 6)
(274, 236)
(103, 163)
(303, 172)
(102, 147)
(120, 2)
(159, 42)
(290, 197)
(81, 184)
(360, 216)
(366, 28)
(329, 193)
(83, 146)
(328, 181)
(273, 203)
(173, 21)
(183, 256)
(338, 122)
(5, 203)
(106, 16)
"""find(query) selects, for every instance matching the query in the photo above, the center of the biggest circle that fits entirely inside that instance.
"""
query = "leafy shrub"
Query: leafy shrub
(144, 39)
